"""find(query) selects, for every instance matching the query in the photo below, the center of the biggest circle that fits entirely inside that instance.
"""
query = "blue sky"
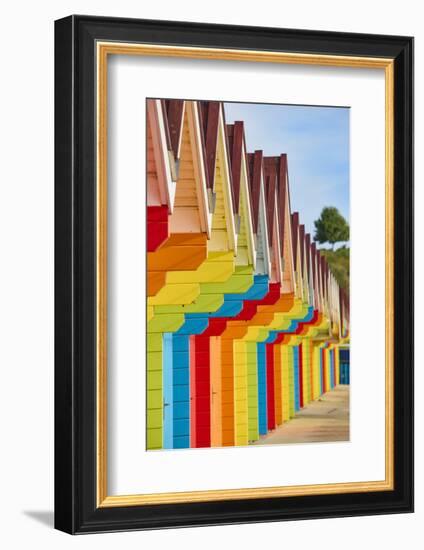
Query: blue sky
(316, 140)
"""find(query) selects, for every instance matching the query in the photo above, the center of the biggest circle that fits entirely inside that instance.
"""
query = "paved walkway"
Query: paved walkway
(326, 419)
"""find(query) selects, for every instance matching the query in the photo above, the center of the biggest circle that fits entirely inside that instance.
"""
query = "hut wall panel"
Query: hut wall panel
(201, 391)
(154, 399)
(270, 386)
(316, 387)
(155, 281)
(157, 227)
(260, 253)
(344, 366)
(311, 369)
(306, 364)
(154, 394)
(181, 252)
(262, 389)
(292, 387)
(168, 392)
(217, 268)
(337, 362)
(176, 294)
(153, 196)
(322, 369)
(332, 368)
(185, 217)
(219, 238)
(192, 359)
(240, 393)
(242, 243)
(296, 378)
(278, 385)
(287, 276)
(301, 377)
(252, 391)
(328, 368)
(227, 392)
(181, 383)
(216, 391)
(285, 382)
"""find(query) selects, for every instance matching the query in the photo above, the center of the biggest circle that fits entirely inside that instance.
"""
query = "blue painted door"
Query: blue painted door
(262, 401)
(181, 391)
(344, 366)
(332, 383)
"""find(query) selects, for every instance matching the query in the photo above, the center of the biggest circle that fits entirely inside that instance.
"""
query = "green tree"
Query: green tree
(338, 260)
(331, 227)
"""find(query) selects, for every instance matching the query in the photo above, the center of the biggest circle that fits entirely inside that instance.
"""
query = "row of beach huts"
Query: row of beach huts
(246, 323)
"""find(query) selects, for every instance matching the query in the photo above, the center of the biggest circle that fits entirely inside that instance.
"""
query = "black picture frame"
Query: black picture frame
(75, 275)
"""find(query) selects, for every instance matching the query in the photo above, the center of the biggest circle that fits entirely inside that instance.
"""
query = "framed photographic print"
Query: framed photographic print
(234, 274)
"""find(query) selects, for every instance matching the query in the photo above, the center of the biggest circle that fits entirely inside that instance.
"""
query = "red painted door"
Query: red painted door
(202, 404)
(270, 386)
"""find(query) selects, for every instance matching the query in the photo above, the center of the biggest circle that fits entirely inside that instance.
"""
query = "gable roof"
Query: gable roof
(173, 110)
(255, 163)
(295, 235)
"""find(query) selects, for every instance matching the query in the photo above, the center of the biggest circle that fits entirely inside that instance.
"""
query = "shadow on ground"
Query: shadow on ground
(46, 517)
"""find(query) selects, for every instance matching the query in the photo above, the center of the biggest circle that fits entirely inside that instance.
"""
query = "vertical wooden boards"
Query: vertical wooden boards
(240, 394)
(227, 385)
(262, 392)
(216, 391)
(186, 213)
(192, 359)
(322, 369)
(347, 370)
(344, 366)
(300, 370)
(201, 391)
(270, 386)
(337, 364)
(329, 368)
(285, 382)
(306, 368)
(296, 378)
(181, 383)
(292, 384)
(168, 393)
(252, 391)
(326, 369)
(219, 238)
(154, 391)
(311, 369)
(316, 372)
(278, 379)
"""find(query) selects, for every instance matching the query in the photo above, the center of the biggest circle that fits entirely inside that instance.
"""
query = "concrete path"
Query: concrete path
(326, 419)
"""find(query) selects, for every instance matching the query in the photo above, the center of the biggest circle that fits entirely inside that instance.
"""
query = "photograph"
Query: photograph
(248, 253)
